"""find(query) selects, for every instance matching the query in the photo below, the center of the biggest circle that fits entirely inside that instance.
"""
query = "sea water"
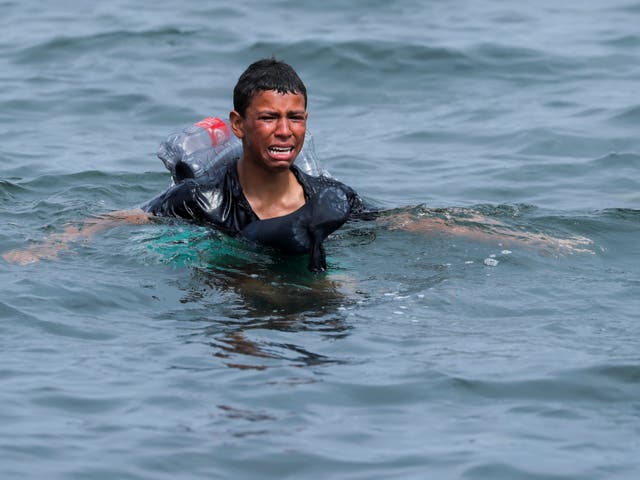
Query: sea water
(170, 351)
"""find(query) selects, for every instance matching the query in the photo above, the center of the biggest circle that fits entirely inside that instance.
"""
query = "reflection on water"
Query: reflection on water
(247, 298)
(273, 295)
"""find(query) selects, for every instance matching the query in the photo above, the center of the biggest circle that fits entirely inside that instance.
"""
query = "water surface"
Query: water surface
(168, 351)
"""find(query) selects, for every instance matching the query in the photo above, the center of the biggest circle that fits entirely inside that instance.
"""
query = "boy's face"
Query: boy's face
(273, 129)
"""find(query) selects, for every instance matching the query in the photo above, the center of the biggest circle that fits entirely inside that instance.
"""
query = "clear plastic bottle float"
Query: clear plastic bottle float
(195, 151)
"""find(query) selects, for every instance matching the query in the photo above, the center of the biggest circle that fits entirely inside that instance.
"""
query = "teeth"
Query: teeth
(281, 149)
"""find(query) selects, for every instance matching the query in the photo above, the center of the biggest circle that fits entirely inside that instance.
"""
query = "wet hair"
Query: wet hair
(266, 74)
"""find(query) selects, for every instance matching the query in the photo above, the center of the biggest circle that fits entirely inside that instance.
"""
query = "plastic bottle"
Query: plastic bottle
(194, 152)
(308, 161)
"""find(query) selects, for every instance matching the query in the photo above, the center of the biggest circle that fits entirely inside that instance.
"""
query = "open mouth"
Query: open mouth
(281, 149)
(280, 152)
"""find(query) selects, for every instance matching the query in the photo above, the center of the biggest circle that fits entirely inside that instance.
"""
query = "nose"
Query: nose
(283, 128)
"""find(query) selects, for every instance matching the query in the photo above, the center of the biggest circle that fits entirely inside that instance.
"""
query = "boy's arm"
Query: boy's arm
(478, 227)
(58, 242)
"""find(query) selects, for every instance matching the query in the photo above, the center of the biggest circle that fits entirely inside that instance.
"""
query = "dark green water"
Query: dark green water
(168, 351)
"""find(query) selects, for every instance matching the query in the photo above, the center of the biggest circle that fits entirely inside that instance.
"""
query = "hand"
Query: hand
(34, 254)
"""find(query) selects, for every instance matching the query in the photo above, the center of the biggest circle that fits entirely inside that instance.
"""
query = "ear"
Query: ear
(237, 124)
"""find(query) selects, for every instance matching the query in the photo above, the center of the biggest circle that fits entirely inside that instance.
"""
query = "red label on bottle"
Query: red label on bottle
(217, 129)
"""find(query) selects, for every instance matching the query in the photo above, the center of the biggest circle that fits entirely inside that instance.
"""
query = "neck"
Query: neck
(270, 193)
(256, 180)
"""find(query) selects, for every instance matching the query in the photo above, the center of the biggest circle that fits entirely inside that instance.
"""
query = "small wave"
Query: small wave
(18, 316)
(52, 182)
(81, 101)
(374, 56)
(548, 143)
(630, 116)
(598, 383)
(9, 189)
(69, 47)
(504, 210)
(618, 160)
(77, 404)
(541, 389)
(500, 470)
(620, 373)
(352, 56)
(628, 214)
(51, 327)
(633, 8)
(624, 41)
